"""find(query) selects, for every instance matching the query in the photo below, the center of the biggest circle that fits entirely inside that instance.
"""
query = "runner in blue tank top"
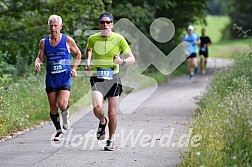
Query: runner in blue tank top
(58, 73)
(56, 48)
(194, 40)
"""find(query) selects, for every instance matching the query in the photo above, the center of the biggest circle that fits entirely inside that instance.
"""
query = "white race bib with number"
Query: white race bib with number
(105, 73)
(58, 67)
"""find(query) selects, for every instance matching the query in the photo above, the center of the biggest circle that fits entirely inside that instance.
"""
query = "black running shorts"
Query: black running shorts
(51, 89)
(205, 54)
(108, 88)
(192, 55)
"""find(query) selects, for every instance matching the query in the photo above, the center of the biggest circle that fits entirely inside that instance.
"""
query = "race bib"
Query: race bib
(203, 49)
(58, 67)
(105, 73)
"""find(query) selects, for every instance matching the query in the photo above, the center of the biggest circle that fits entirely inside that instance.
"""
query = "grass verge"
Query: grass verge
(224, 119)
(24, 104)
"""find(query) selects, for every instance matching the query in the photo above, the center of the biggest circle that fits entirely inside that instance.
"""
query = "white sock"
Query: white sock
(104, 121)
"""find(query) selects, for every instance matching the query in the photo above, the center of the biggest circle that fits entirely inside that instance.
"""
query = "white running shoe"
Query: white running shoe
(109, 146)
(58, 136)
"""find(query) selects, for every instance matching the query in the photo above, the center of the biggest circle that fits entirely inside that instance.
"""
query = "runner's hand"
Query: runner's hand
(88, 68)
(38, 66)
(73, 73)
(117, 59)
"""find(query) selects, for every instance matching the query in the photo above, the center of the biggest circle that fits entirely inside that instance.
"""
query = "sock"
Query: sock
(65, 109)
(112, 138)
(104, 121)
(56, 121)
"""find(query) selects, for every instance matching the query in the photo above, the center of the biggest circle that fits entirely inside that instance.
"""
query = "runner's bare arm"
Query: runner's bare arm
(130, 59)
(88, 59)
(77, 55)
(40, 57)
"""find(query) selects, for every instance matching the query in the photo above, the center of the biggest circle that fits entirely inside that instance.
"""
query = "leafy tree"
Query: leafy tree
(23, 23)
(240, 14)
(217, 7)
(142, 13)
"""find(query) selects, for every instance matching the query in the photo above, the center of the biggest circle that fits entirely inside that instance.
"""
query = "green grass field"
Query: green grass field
(214, 28)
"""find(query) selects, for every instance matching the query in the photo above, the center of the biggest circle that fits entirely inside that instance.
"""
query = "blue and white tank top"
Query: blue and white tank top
(58, 72)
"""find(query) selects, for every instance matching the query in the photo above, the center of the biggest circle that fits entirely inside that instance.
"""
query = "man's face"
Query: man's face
(105, 24)
(55, 27)
(203, 32)
(190, 31)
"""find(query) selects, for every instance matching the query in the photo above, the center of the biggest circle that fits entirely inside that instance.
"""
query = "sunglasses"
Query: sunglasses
(107, 22)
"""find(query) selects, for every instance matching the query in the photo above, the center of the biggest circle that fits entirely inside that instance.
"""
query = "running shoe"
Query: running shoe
(65, 117)
(101, 130)
(191, 76)
(57, 137)
(109, 146)
(196, 70)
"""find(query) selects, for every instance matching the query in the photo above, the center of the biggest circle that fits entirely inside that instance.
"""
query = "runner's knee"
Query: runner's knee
(98, 109)
(63, 104)
(112, 114)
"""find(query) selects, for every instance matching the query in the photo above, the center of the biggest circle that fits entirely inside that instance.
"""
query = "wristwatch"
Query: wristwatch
(124, 62)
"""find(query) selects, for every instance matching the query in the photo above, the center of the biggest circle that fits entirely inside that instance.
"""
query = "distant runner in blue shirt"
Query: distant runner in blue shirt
(194, 40)
(56, 48)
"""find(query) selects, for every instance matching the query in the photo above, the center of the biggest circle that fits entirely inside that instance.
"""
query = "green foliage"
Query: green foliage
(240, 14)
(24, 103)
(6, 70)
(217, 7)
(24, 23)
(224, 119)
(142, 13)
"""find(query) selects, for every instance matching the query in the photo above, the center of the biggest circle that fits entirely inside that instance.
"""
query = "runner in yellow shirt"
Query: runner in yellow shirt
(106, 47)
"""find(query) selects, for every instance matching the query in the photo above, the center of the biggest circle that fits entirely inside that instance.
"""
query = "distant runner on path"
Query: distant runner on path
(194, 40)
(205, 41)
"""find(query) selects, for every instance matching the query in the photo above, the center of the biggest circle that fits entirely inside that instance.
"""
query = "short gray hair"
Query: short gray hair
(55, 17)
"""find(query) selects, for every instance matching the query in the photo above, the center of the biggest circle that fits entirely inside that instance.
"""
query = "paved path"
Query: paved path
(153, 135)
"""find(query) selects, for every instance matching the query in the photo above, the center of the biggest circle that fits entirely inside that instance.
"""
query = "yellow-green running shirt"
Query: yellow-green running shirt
(104, 49)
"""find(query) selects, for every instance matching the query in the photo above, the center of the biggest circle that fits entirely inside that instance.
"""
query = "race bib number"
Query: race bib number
(203, 49)
(105, 73)
(58, 67)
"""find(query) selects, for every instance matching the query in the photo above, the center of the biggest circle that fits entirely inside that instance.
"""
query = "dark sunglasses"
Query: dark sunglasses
(107, 22)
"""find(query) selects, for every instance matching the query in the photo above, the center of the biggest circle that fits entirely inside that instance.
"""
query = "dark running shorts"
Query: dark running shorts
(50, 89)
(205, 54)
(192, 55)
(108, 88)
